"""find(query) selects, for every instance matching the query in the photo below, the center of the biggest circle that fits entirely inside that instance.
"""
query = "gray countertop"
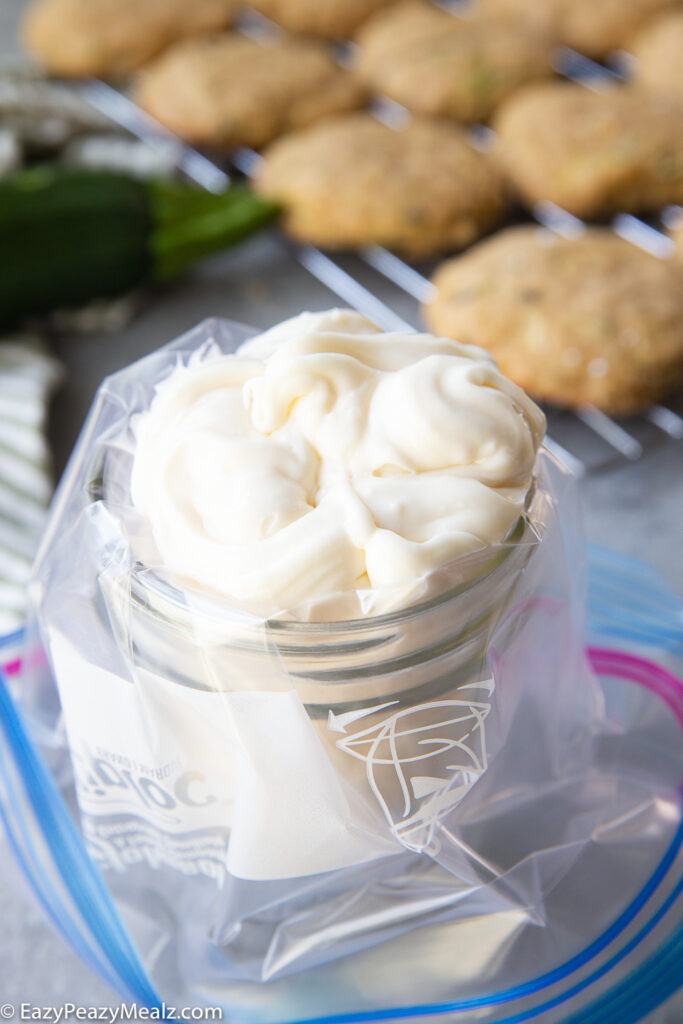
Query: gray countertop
(636, 507)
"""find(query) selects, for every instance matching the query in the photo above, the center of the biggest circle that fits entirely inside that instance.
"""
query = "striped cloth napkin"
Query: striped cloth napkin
(28, 375)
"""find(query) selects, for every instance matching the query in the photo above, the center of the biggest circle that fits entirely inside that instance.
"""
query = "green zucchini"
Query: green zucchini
(70, 236)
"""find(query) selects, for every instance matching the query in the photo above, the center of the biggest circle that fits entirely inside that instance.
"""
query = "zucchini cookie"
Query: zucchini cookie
(332, 19)
(78, 38)
(435, 63)
(594, 27)
(658, 50)
(591, 319)
(352, 181)
(228, 90)
(592, 152)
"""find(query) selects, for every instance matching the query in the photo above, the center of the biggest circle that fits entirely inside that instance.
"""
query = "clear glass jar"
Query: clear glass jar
(383, 722)
(399, 701)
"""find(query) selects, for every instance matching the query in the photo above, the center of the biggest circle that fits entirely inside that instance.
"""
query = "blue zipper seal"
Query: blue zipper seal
(74, 865)
(627, 600)
(660, 974)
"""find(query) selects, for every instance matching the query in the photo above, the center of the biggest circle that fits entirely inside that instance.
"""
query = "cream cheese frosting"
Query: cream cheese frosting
(327, 456)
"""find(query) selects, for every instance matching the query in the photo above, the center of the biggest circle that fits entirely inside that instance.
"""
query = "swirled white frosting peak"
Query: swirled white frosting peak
(328, 456)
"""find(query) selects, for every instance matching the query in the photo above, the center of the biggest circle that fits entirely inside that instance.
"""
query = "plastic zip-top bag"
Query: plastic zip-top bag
(438, 807)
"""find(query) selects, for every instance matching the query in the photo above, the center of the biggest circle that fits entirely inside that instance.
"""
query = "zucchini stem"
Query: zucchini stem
(189, 223)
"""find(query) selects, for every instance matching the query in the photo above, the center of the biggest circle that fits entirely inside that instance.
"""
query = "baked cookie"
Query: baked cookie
(591, 319)
(228, 90)
(435, 63)
(332, 19)
(353, 181)
(78, 38)
(594, 27)
(592, 152)
(658, 49)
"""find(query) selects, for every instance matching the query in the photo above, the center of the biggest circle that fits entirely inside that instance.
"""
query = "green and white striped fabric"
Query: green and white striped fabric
(28, 375)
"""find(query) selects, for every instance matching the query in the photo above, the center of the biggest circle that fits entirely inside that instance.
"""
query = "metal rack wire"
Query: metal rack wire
(586, 440)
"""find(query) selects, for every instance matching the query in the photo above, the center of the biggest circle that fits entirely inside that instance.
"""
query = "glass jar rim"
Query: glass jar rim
(148, 585)
(146, 580)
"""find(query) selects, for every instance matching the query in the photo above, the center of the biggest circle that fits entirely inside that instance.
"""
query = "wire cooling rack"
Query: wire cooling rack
(586, 440)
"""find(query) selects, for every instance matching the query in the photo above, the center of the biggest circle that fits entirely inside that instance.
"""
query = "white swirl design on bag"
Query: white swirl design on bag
(445, 738)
